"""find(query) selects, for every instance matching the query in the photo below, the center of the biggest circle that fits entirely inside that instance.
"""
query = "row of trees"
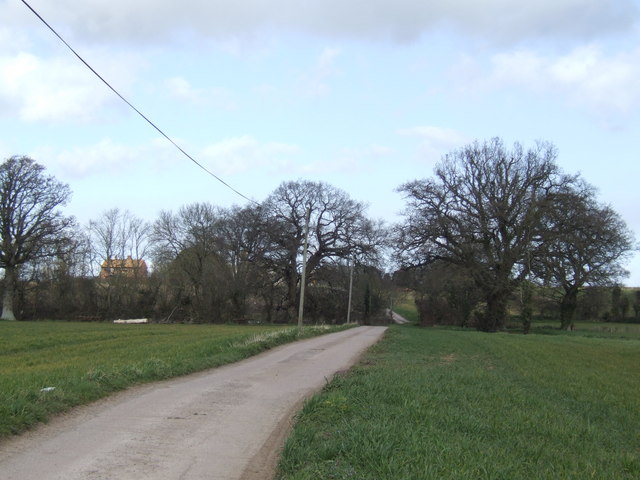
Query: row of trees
(209, 263)
(492, 226)
(494, 222)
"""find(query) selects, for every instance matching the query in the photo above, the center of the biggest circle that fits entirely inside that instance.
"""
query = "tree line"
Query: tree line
(494, 223)
(210, 264)
(492, 226)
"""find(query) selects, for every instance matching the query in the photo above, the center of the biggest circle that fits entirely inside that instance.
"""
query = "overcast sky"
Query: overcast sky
(365, 95)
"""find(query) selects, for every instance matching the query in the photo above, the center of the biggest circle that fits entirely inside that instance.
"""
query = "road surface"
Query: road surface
(222, 424)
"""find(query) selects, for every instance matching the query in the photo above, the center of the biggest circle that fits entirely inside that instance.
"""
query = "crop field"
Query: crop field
(48, 367)
(436, 403)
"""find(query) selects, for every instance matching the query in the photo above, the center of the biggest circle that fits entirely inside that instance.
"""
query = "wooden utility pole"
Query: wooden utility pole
(353, 261)
(303, 279)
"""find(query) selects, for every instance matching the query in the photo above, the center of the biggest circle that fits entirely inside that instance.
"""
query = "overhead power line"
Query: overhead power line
(133, 107)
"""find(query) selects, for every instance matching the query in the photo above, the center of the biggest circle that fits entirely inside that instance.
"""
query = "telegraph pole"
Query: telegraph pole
(303, 278)
(350, 289)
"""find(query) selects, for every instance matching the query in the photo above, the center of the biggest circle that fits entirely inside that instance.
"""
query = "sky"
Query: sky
(363, 95)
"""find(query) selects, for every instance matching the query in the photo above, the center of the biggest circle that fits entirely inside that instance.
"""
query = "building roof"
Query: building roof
(123, 266)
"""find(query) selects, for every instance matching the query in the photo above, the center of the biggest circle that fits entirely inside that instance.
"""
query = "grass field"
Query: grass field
(405, 306)
(407, 311)
(593, 329)
(452, 404)
(86, 361)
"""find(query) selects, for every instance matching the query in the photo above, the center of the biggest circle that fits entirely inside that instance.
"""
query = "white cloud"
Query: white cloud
(56, 89)
(604, 82)
(327, 60)
(12, 40)
(145, 21)
(245, 154)
(182, 89)
(435, 141)
(103, 158)
(348, 161)
(108, 159)
(379, 151)
(587, 76)
(316, 81)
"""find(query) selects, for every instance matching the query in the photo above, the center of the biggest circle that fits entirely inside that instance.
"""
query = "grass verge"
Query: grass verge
(451, 404)
(49, 367)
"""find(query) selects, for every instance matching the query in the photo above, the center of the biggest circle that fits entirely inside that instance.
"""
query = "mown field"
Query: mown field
(452, 404)
(49, 367)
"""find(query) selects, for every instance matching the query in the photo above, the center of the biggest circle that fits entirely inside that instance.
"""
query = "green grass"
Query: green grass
(406, 307)
(595, 329)
(453, 404)
(407, 311)
(86, 361)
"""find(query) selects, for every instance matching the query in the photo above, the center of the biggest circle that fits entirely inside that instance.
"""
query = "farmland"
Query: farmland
(49, 367)
(442, 403)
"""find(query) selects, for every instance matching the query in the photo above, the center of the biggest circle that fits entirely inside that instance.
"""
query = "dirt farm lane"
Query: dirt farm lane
(221, 424)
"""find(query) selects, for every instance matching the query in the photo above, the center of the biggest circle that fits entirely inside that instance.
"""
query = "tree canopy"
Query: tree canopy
(31, 226)
(492, 222)
(482, 212)
(585, 243)
(338, 229)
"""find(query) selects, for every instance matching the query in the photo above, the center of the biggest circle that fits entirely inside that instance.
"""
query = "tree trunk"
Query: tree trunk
(9, 289)
(568, 307)
(495, 315)
(527, 308)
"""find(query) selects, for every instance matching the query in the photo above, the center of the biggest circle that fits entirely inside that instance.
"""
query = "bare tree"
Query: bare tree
(138, 233)
(60, 285)
(193, 226)
(584, 244)
(118, 237)
(104, 235)
(188, 244)
(338, 228)
(482, 212)
(31, 224)
(244, 243)
(118, 234)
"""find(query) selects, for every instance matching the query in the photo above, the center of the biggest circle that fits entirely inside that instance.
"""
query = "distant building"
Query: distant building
(125, 267)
